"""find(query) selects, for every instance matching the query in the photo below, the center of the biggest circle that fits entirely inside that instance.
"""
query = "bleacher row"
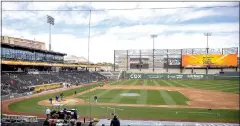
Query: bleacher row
(16, 82)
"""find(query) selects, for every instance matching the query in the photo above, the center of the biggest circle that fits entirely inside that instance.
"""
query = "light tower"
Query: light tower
(153, 37)
(207, 34)
(50, 20)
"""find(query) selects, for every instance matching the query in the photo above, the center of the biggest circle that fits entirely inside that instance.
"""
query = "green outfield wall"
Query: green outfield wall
(167, 76)
(177, 76)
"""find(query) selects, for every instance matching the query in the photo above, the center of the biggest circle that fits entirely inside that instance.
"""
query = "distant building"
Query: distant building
(23, 42)
(75, 60)
(106, 68)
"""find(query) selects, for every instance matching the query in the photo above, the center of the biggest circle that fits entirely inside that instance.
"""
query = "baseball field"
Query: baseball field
(182, 100)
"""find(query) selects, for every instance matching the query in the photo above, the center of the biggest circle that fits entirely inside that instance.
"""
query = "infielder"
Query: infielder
(61, 95)
(57, 98)
(50, 99)
(95, 98)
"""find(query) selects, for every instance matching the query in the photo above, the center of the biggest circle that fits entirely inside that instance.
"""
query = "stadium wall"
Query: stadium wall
(167, 76)
(174, 70)
(229, 70)
(180, 76)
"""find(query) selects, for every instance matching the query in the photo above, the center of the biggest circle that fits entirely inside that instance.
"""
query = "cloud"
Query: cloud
(102, 46)
(81, 17)
(121, 29)
(147, 30)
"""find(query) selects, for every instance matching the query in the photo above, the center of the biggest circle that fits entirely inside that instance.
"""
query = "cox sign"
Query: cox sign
(135, 76)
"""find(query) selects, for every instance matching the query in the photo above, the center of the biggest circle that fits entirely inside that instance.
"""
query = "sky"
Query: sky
(111, 30)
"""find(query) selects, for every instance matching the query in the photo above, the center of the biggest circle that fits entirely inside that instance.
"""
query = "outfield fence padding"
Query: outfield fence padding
(167, 76)
(177, 76)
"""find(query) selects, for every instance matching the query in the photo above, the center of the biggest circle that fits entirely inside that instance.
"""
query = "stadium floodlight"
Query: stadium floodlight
(153, 37)
(207, 34)
(89, 33)
(50, 20)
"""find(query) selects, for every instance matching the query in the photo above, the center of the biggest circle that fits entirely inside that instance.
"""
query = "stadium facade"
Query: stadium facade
(24, 42)
(212, 61)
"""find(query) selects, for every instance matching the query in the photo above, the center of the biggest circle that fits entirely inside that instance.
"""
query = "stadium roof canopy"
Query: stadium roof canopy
(30, 49)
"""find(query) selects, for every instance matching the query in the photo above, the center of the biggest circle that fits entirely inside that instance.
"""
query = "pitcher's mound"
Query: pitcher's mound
(65, 102)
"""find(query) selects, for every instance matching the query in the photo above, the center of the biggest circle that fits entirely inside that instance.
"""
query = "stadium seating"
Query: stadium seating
(174, 71)
(199, 71)
(18, 82)
(229, 70)
(213, 71)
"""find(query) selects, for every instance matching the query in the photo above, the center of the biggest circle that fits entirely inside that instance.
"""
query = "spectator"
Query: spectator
(48, 111)
(46, 123)
(115, 121)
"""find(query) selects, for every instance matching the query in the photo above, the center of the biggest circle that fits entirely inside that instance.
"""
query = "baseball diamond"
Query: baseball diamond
(167, 97)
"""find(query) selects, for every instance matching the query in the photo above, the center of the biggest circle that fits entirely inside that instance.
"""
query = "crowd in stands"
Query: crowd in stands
(19, 82)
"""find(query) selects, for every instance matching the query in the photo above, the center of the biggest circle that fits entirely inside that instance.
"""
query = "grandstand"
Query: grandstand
(23, 68)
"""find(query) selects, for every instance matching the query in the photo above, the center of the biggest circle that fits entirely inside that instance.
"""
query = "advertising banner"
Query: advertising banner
(210, 60)
(168, 76)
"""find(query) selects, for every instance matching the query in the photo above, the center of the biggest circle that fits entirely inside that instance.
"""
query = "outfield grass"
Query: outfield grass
(231, 86)
(31, 105)
(153, 97)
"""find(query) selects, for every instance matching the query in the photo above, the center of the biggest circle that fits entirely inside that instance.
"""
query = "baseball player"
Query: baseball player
(57, 98)
(95, 98)
(50, 99)
(61, 95)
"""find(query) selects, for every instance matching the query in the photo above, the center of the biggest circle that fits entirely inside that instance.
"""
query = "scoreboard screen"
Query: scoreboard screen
(210, 60)
(139, 63)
